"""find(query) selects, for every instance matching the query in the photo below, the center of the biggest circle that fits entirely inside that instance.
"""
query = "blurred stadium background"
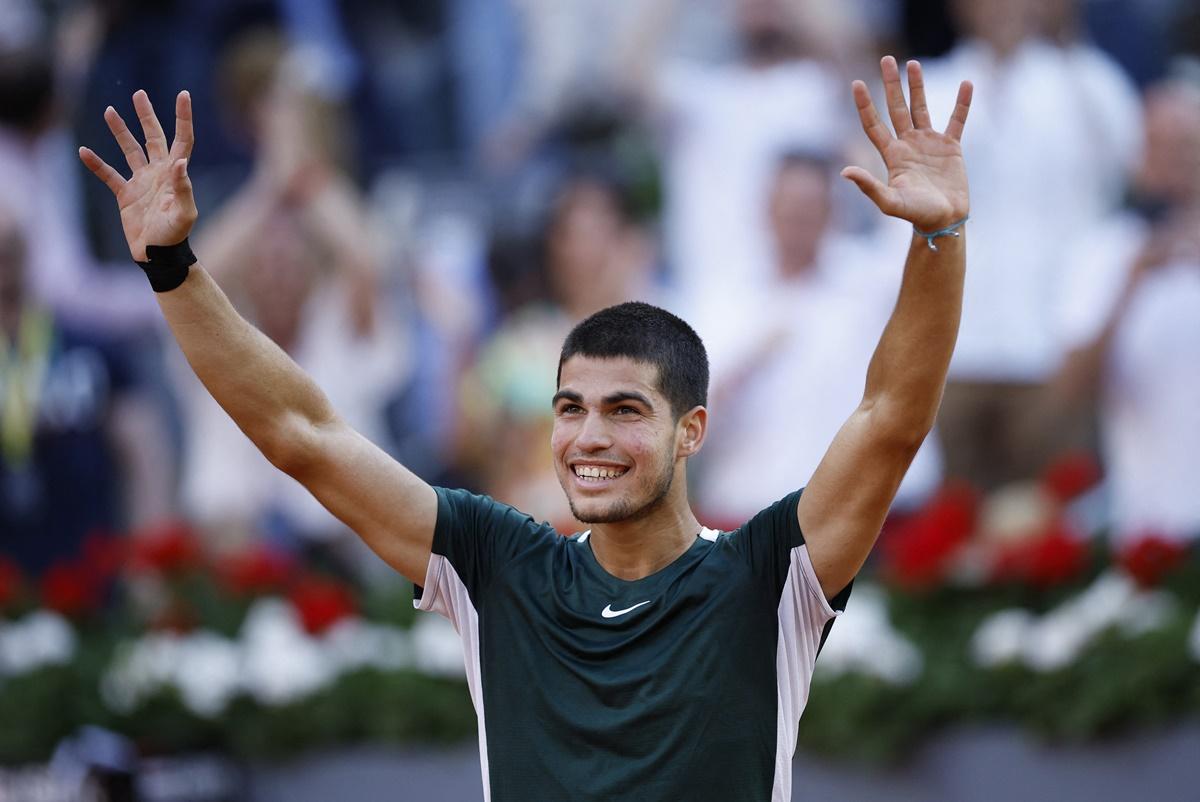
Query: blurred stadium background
(418, 199)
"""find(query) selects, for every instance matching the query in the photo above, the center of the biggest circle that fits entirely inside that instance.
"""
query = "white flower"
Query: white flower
(1056, 639)
(1001, 637)
(208, 673)
(280, 662)
(437, 648)
(864, 640)
(140, 669)
(204, 667)
(42, 638)
(353, 643)
(1194, 639)
(1015, 512)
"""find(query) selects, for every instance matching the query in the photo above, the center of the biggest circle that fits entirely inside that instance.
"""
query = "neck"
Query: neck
(632, 550)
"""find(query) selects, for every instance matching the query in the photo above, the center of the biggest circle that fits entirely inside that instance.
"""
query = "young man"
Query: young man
(648, 658)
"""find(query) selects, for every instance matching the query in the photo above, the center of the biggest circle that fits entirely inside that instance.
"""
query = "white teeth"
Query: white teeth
(597, 472)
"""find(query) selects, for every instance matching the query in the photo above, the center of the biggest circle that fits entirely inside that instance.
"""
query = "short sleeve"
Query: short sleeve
(773, 545)
(474, 538)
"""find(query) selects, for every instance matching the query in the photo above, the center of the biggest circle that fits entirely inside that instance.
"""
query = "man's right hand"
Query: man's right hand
(156, 203)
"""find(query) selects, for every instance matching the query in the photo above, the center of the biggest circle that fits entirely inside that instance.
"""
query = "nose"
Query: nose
(593, 433)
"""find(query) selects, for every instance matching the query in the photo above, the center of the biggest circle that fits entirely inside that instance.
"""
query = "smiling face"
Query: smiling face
(617, 444)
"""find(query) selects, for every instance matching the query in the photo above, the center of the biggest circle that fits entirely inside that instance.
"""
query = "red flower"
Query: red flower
(321, 603)
(954, 510)
(255, 571)
(70, 588)
(104, 554)
(1054, 557)
(918, 550)
(10, 583)
(1150, 558)
(1070, 475)
(167, 548)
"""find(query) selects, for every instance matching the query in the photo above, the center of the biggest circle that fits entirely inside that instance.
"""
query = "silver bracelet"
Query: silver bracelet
(949, 231)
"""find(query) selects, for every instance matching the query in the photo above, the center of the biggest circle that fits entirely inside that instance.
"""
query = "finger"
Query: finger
(156, 140)
(181, 148)
(874, 128)
(134, 156)
(954, 128)
(916, 96)
(111, 178)
(894, 93)
(879, 193)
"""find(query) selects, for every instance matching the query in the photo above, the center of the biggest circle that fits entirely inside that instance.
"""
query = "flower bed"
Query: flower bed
(984, 611)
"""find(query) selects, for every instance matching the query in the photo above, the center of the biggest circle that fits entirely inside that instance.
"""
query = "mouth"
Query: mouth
(595, 474)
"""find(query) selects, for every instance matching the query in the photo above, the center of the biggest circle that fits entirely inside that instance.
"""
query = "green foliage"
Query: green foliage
(1119, 683)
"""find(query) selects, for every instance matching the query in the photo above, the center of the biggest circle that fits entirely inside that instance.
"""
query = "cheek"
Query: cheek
(646, 447)
(560, 437)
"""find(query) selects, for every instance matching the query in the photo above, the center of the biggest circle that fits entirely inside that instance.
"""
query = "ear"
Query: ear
(693, 427)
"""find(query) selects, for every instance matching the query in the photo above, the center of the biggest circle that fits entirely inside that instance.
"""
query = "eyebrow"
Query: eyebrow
(566, 395)
(608, 400)
(616, 398)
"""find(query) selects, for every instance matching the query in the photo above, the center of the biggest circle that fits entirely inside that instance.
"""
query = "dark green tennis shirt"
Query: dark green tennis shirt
(687, 684)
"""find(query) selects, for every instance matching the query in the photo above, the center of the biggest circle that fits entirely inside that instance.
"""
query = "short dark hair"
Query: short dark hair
(645, 333)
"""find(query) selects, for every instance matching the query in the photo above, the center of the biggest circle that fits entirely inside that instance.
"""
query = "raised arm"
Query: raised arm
(275, 403)
(845, 503)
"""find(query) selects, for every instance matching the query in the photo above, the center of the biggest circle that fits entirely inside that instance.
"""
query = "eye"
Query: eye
(570, 409)
(627, 410)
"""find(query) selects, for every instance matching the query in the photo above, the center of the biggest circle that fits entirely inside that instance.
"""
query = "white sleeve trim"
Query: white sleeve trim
(429, 589)
(812, 583)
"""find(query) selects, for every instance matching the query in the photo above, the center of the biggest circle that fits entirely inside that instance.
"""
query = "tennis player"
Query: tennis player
(648, 658)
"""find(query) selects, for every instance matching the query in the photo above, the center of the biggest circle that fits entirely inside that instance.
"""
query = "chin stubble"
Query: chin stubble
(623, 510)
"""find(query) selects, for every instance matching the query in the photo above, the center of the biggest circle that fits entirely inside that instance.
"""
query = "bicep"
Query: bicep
(846, 501)
(387, 505)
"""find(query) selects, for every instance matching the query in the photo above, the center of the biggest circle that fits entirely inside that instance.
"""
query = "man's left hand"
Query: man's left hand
(927, 180)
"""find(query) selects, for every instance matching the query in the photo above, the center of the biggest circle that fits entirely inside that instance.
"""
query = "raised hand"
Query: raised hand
(927, 181)
(156, 203)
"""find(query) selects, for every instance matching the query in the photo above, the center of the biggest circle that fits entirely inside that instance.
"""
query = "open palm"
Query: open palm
(156, 203)
(927, 180)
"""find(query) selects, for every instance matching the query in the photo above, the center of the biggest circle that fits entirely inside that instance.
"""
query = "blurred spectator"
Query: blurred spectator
(595, 256)
(1056, 129)
(39, 183)
(723, 127)
(570, 54)
(80, 451)
(1131, 315)
(297, 251)
(800, 345)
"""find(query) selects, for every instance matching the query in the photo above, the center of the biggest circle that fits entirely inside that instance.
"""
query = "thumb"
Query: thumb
(182, 186)
(179, 177)
(879, 192)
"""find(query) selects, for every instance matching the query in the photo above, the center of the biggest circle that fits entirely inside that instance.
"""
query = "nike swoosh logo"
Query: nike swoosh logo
(609, 612)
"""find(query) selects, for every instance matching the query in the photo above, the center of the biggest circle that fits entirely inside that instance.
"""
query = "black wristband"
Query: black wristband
(167, 265)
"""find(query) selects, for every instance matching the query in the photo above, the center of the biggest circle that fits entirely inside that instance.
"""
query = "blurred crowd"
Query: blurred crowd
(417, 200)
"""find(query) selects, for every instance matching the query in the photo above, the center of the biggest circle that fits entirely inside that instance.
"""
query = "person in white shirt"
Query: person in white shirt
(1063, 131)
(723, 125)
(1130, 315)
(799, 346)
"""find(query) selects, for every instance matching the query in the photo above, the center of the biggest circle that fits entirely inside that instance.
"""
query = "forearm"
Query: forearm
(234, 230)
(268, 396)
(907, 373)
(344, 226)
